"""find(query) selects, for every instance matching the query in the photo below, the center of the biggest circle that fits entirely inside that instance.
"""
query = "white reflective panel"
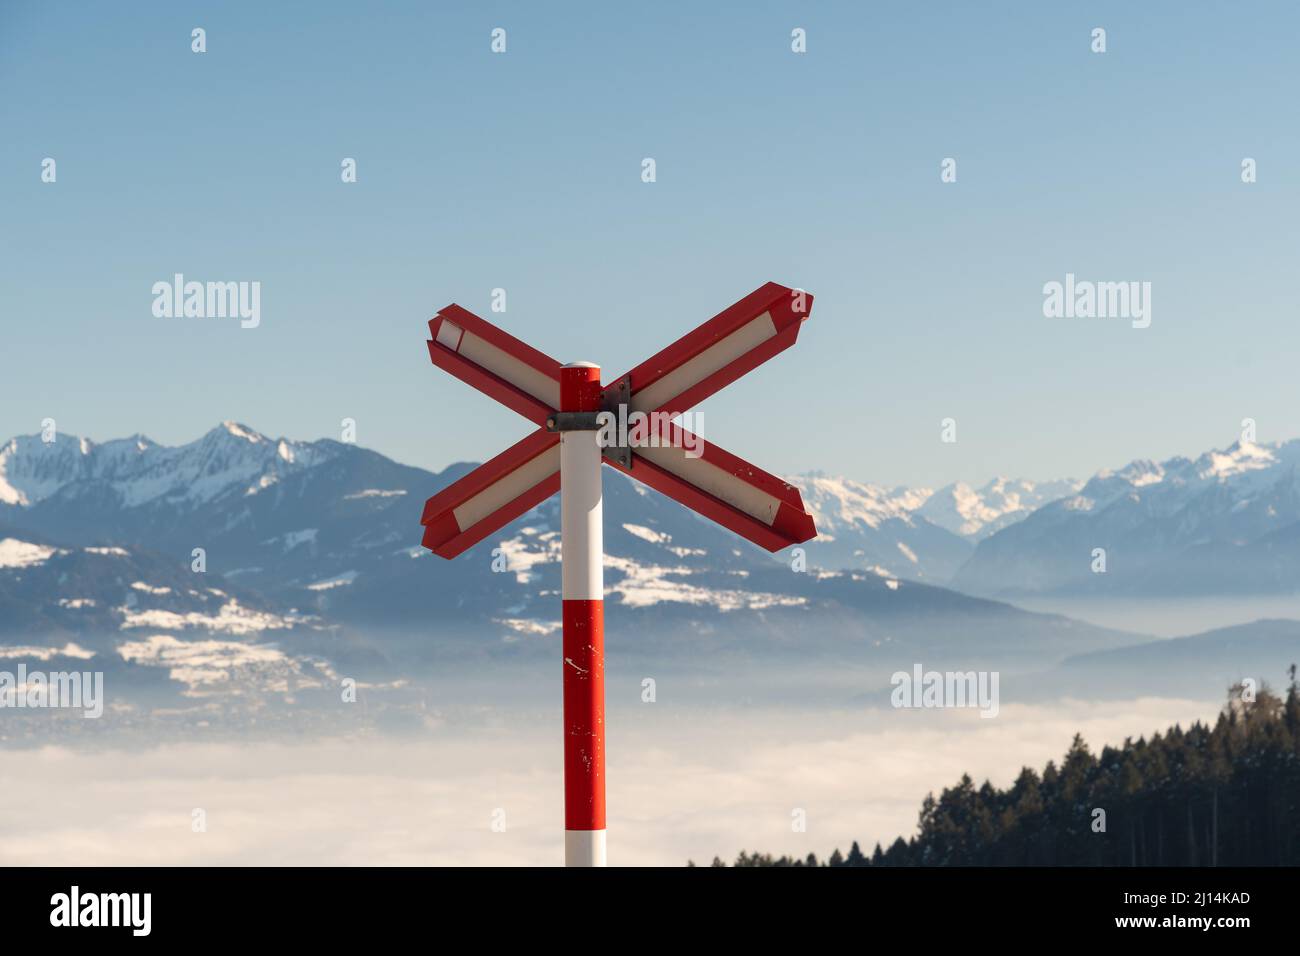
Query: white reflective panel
(508, 488)
(504, 365)
(739, 494)
(717, 356)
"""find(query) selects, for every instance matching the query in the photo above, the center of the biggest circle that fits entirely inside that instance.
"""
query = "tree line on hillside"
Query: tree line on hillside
(1227, 795)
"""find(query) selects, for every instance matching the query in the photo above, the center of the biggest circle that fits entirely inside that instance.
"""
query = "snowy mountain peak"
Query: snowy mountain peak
(236, 430)
(1243, 465)
(959, 508)
(230, 458)
(31, 469)
(1237, 458)
(1144, 473)
(1224, 521)
(837, 503)
(977, 513)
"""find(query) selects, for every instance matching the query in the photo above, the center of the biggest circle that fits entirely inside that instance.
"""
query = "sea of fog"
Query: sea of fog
(481, 784)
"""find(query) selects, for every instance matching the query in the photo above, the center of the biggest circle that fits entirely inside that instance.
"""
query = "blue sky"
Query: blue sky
(522, 171)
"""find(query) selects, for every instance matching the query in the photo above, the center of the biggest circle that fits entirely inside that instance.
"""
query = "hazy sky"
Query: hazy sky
(522, 171)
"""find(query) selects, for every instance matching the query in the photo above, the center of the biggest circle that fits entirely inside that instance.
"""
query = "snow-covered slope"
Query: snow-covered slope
(63, 589)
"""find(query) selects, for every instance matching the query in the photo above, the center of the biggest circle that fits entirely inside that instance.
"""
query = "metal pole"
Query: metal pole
(581, 551)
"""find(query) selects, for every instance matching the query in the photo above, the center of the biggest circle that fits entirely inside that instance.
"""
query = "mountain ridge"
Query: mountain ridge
(1223, 520)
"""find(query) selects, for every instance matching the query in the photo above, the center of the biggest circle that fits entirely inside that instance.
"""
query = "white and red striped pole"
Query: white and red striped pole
(581, 555)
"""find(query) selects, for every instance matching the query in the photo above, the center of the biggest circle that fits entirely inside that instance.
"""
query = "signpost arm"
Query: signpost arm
(581, 552)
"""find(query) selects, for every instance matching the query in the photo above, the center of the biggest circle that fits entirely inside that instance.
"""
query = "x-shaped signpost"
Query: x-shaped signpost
(630, 424)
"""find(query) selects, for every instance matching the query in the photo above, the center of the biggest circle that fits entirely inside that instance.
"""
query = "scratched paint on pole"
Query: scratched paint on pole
(584, 715)
(581, 555)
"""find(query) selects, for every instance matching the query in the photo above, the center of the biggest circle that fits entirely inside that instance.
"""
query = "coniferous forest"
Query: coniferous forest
(1227, 795)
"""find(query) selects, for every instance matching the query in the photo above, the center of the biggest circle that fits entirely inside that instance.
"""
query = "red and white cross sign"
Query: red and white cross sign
(579, 423)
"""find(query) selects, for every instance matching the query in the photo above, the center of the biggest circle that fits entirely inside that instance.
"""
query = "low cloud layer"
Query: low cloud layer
(683, 783)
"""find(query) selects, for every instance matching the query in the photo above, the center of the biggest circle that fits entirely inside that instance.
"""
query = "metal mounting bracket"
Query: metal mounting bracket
(572, 422)
(615, 399)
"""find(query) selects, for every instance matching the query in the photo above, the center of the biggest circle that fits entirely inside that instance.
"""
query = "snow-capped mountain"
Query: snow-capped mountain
(328, 527)
(267, 509)
(137, 471)
(234, 490)
(241, 567)
(869, 527)
(1225, 522)
(319, 542)
(915, 533)
(976, 513)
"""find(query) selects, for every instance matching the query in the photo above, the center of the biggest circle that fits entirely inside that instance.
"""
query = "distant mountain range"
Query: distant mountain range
(915, 533)
(1226, 522)
(299, 514)
(310, 553)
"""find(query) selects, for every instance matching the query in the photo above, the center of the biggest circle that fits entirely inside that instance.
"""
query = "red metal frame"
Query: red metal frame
(791, 525)
(489, 384)
(776, 299)
(444, 536)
